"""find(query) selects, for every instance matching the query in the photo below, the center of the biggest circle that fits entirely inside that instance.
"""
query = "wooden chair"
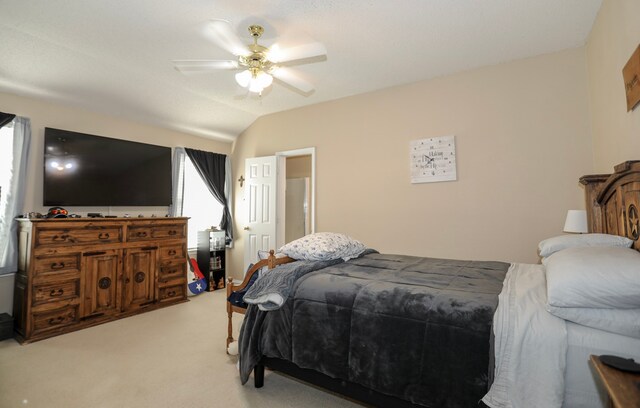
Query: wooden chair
(270, 263)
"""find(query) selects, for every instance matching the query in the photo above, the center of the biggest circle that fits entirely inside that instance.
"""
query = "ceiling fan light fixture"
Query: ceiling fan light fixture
(243, 78)
(255, 80)
(255, 87)
(259, 63)
(264, 79)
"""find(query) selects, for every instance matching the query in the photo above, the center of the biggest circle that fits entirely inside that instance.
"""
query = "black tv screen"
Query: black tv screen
(88, 170)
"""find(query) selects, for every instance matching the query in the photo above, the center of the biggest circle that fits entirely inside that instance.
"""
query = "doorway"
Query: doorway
(298, 195)
(269, 213)
(298, 207)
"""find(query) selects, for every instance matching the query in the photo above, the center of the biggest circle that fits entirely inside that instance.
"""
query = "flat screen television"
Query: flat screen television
(89, 170)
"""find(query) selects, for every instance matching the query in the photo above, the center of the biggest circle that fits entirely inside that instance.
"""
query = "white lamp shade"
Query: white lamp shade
(264, 79)
(243, 78)
(576, 222)
(255, 83)
(259, 82)
(255, 86)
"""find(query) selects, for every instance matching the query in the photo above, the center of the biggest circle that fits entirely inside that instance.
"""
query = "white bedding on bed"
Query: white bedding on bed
(581, 389)
(625, 322)
(541, 359)
(530, 344)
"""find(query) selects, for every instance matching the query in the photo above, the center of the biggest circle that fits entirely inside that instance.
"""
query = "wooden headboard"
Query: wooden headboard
(613, 201)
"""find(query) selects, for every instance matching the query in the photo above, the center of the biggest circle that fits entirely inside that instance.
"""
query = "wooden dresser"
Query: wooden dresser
(76, 273)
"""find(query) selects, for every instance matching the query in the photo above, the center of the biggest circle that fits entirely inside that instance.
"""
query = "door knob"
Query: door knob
(246, 228)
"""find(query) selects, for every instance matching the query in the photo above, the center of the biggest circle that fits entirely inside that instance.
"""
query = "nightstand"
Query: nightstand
(623, 387)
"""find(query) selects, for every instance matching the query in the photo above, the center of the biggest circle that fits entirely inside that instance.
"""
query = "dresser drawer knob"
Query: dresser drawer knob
(171, 293)
(56, 293)
(103, 235)
(172, 232)
(57, 265)
(141, 234)
(60, 238)
(172, 252)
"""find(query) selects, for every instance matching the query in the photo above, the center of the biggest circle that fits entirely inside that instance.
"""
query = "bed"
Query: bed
(393, 330)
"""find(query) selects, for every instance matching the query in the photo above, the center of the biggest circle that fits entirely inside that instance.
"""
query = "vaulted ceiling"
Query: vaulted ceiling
(115, 56)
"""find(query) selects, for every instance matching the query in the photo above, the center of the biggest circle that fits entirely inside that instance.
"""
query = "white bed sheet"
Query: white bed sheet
(543, 360)
(530, 344)
(581, 388)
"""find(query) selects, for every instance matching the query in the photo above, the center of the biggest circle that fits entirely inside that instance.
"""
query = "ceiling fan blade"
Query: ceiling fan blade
(311, 50)
(203, 66)
(221, 33)
(289, 77)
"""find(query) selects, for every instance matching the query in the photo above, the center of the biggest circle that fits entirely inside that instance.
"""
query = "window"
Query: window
(6, 164)
(198, 204)
(15, 138)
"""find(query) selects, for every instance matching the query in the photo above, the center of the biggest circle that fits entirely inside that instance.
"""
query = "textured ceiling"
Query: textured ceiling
(114, 56)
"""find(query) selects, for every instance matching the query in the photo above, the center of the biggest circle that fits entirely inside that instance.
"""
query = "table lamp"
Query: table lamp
(576, 222)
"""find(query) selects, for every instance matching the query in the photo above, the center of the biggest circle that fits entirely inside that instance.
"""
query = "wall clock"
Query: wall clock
(433, 159)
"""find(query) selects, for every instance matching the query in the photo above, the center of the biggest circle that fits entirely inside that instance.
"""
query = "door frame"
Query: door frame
(307, 151)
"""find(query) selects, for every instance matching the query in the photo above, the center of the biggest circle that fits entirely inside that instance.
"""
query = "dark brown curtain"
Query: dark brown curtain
(211, 167)
(6, 118)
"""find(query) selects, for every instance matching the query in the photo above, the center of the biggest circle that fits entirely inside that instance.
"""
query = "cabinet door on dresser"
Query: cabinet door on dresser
(100, 287)
(139, 277)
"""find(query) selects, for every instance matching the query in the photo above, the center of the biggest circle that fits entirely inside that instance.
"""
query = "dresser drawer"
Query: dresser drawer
(55, 292)
(178, 251)
(168, 231)
(171, 293)
(172, 271)
(71, 236)
(53, 319)
(141, 233)
(56, 264)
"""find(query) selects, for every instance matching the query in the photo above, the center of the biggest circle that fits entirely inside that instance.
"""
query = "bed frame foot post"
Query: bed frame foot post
(229, 313)
(271, 261)
(229, 336)
(258, 375)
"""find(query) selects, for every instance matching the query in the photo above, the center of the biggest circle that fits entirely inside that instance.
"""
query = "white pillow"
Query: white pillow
(620, 321)
(555, 244)
(323, 246)
(594, 277)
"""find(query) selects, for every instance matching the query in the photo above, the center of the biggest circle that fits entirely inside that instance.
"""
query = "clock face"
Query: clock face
(433, 159)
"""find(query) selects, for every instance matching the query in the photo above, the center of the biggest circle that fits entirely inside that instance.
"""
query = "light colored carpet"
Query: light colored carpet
(173, 357)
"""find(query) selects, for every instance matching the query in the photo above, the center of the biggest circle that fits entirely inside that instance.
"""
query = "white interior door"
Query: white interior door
(261, 196)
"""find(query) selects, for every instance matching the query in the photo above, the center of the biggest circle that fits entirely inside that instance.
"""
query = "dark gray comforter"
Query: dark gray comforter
(415, 328)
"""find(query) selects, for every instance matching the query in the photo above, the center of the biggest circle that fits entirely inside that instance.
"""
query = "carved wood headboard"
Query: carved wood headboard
(613, 201)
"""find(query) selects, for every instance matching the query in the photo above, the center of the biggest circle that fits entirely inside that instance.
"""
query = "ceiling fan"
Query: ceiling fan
(258, 63)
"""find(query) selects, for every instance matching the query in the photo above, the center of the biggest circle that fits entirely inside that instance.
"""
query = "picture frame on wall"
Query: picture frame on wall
(433, 159)
(631, 76)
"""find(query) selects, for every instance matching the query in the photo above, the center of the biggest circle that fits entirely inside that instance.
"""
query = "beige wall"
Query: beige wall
(44, 114)
(298, 167)
(523, 140)
(614, 37)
